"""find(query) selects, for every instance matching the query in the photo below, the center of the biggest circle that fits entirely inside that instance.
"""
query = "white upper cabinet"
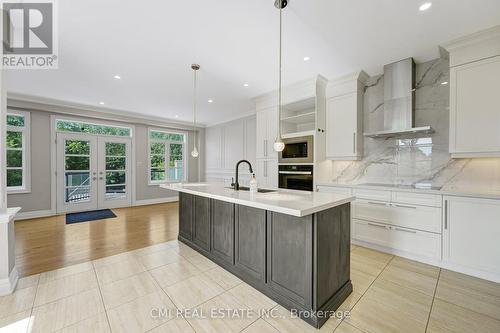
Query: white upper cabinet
(344, 118)
(474, 98)
(213, 147)
(227, 143)
(266, 130)
(234, 143)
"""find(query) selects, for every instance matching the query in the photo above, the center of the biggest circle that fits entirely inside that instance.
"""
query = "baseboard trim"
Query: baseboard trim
(34, 214)
(155, 201)
(432, 261)
(8, 284)
(46, 213)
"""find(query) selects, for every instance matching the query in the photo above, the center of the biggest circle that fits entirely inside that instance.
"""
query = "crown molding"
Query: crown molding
(228, 120)
(31, 102)
(477, 37)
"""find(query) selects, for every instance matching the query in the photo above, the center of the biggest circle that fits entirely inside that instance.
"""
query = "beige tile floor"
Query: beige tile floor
(118, 294)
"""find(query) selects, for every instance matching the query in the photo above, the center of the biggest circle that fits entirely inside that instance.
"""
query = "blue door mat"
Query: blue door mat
(89, 216)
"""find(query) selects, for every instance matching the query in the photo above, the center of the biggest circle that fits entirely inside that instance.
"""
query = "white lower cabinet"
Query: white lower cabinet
(471, 233)
(414, 229)
(404, 215)
(456, 233)
(416, 242)
(402, 222)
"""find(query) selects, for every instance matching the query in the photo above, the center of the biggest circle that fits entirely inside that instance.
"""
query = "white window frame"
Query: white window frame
(96, 123)
(26, 149)
(167, 155)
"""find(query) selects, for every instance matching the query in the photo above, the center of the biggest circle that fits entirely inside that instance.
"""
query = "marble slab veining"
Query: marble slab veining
(423, 160)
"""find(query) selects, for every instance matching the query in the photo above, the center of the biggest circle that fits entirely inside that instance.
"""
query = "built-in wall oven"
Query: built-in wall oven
(298, 150)
(296, 177)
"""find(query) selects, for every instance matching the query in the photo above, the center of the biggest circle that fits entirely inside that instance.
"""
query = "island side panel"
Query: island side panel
(222, 245)
(332, 259)
(186, 216)
(290, 256)
(250, 242)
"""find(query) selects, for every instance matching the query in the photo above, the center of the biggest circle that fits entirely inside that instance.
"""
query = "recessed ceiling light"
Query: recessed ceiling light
(117, 77)
(210, 101)
(307, 58)
(425, 6)
(176, 116)
(102, 103)
(444, 83)
(245, 84)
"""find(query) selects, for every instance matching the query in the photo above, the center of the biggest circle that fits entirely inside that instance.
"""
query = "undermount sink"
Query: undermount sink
(260, 190)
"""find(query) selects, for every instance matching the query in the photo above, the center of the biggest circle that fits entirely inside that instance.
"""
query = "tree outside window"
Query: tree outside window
(166, 155)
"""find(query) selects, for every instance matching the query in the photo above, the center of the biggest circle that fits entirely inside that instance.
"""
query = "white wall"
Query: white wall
(225, 145)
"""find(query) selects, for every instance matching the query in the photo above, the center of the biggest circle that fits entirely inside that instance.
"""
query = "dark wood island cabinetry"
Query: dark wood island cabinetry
(302, 263)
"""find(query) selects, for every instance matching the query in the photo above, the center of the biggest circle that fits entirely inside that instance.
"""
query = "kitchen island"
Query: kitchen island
(293, 246)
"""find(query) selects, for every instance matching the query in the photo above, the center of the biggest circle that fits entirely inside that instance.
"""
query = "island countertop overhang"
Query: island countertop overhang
(290, 202)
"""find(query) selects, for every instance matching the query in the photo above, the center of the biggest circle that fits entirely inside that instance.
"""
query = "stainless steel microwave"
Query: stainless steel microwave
(298, 150)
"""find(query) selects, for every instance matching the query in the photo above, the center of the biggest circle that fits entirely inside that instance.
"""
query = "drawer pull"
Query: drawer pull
(378, 203)
(378, 225)
(404, 206)
(406, 230)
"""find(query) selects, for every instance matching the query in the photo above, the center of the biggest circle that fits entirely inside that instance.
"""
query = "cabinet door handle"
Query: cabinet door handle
(405, 206)
(377, 225)
(354, 142)
(406, 230)
(446, 215)
(265, 169)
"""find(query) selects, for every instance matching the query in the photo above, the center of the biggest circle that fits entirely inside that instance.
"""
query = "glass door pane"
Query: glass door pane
(116, 170)
(176, 163)
(77, 164)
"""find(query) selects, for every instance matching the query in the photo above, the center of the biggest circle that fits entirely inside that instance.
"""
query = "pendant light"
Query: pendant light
(279, 145)
(194, 152)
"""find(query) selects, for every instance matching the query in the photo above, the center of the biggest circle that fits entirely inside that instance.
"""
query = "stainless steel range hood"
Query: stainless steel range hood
(399, 102)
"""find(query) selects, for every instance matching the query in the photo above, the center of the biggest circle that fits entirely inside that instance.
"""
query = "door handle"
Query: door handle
(354, 142)
(446, 215)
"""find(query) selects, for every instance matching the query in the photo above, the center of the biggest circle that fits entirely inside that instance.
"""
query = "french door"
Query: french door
(93, 172)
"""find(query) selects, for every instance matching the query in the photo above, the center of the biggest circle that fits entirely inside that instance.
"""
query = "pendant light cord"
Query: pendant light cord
(194, 107)
(280, 72)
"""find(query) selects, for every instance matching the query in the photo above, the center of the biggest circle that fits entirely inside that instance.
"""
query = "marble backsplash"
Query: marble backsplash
(423, 160)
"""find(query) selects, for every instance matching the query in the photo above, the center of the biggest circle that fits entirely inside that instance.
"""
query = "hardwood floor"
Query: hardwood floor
(45, 244)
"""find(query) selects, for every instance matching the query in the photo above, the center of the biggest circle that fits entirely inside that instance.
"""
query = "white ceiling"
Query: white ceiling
(151, 45)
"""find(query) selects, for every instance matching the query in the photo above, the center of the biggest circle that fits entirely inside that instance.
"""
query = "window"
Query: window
(17, 151)
(81, 127)
(166, 157)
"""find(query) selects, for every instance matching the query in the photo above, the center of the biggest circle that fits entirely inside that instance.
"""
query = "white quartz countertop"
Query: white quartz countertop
(472, 192)
(290, 202)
